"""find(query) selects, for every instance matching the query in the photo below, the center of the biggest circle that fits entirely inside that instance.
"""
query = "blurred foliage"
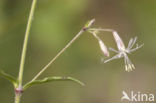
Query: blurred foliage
(55, 23)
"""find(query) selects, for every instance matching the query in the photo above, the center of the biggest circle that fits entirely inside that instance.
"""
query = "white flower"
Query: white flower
(122, 51)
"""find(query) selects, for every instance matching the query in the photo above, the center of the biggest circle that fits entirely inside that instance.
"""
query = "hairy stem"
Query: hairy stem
(68, 45)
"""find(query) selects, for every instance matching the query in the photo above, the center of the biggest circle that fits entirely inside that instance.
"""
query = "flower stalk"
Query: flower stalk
(85, 28)
(45, 68)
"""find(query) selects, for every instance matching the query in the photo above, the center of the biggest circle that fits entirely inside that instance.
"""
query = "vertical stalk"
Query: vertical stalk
(24, 50)
(26, 42)
(17, 98)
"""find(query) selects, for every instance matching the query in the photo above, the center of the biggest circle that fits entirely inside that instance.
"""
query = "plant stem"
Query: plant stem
(26, 42)
(108, 30)
(68, 45)
(24, 50)
(17, 98)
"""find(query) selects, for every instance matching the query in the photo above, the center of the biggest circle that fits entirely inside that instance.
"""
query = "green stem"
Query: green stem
(26, 42)
(17, 98)
(24, 50)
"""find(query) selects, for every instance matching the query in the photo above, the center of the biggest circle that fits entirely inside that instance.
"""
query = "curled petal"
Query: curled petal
(104, 48)
(136, 48)
(117, 56)
(119, 41)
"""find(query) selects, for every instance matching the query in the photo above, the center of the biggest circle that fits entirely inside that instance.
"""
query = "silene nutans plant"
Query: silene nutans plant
(122, 51)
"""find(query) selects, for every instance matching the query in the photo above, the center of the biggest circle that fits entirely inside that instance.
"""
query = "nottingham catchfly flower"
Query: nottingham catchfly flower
(123, 51)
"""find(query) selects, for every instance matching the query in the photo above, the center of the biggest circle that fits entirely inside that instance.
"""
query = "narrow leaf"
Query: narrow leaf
(9, 78)
(51, 79)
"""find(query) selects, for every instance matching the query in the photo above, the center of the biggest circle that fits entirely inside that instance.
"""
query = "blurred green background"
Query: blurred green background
(55, 23)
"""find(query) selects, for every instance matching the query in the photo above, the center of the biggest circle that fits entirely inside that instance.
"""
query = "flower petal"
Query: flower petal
(104, 48)
(119, 41)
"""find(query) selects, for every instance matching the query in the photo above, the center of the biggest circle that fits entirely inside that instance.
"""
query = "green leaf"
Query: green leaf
(89, 23)
(51, 79)
(9, 78)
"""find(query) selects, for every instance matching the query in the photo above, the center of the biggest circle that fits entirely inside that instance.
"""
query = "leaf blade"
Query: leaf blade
(9, 78)
(51, 79)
